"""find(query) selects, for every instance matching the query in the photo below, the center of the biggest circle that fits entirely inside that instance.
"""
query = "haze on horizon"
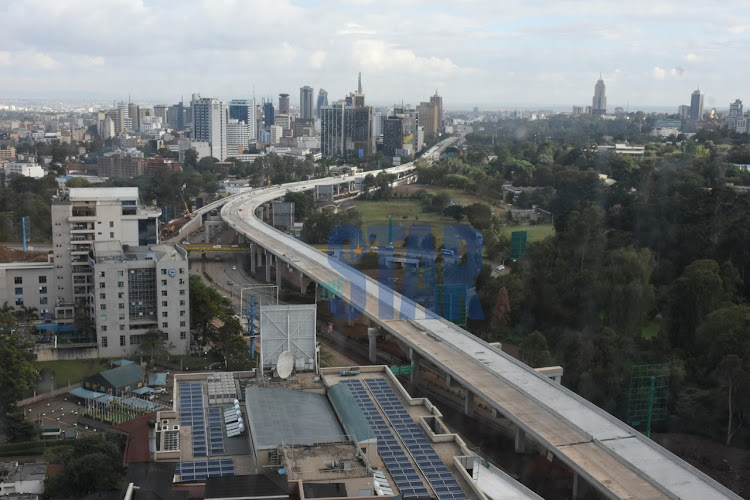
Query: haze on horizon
(474, 53)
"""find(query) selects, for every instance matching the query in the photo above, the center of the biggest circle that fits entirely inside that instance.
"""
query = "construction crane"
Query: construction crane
(188, 213)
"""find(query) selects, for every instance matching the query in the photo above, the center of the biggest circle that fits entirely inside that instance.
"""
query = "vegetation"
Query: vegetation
(73, 370)
(91, 464)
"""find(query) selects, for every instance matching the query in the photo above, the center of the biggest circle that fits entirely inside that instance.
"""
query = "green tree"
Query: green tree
(625, 288)
(77, 182)
(455, 211)
(155, 344)
(17, 376)
(191, 158)
(479, 215)
(303, 204)
(91, 464)
(534, 351)
(204, 304)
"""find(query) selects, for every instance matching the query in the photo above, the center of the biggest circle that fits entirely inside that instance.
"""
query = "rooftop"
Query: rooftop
(103, 193)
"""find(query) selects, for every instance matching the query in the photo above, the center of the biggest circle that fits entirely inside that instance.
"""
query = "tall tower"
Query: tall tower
(322, 102)
(437, 102)
(209, 125)
(599, 102)
(696, 106)
(306, 102)
(283, 104)
(359, 83)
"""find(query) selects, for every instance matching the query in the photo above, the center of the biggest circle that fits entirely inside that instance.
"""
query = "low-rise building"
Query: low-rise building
(25, 169)
(22, 479)
(117, 381)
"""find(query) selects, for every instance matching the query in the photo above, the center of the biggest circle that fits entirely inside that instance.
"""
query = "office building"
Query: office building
(322, 102)
(393, 134)
(284, 104)
(160, 111)
(125, 166)
(346, 130)
(306, 102)
(238, 134)
(268, 113)
(29, 284)
(304, 127)
(283, 120)
(683, 112)
(428, 118)
(599, 101)
(87, 215)
(25, 169)
(696, 106)
(437, 102)
(276, 133)
(136, 289)
(176, 116)
(736, 120)
(209, 125)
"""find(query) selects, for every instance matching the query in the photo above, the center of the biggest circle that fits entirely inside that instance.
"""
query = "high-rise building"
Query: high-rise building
(428, 118)
(332, 129)
(283, 104)
(86, 215)
(599, 101)
(346, 130)
(237, 134)
(306, 102)
(209, 125)
(133, 116)
(683, 111)
(243, 110)
(393, 135)
(160, 111)
(437, 102)
(696, 106)
(268, 113)
(176, 116)
(735, 119)
(276, 133)
(322, 102)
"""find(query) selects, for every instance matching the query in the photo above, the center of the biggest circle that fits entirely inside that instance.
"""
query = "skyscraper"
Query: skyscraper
(243, 110)
(346, 130)
(437, 102)
(268, 113)
(209, 125)
(283, 104)
(599, 102)
(306, 102)
(696, 106)
(322, 102)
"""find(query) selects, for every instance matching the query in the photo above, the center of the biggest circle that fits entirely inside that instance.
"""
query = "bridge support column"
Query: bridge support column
(575, 485)
(278, 272)
(414, 356)
(448, 381)
(520, 441)
(268, 266)
(302, 288)
(372, 338)
(252, 259)
(469, 403)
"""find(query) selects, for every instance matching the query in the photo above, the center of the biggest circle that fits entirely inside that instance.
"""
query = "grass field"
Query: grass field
(73, 370)
(535, 233)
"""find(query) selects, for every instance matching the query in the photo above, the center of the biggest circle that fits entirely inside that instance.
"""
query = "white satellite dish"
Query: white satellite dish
(285, 364)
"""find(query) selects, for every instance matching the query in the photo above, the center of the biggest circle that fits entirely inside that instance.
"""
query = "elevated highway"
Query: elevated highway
(602, 451)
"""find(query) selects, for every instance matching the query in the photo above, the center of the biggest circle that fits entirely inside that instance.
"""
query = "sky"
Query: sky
(488, 53)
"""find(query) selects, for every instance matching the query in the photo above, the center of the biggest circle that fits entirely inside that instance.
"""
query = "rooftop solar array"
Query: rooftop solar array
(199, 471)
(440, 478)
(216, 440)
(192, 414)
(401, 469)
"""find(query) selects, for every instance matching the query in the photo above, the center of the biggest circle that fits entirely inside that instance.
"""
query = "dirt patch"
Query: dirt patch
(8, 255)
(730, 466)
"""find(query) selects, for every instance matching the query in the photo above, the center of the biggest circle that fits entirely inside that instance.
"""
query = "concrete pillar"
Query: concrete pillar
(372, 337)
(448, 381)
(268, 267)
(414, 356)
(252, 259)
(520, 441)
(302, 282)
(575, 485)
(278, 273)
(494, 413)
(469, 403)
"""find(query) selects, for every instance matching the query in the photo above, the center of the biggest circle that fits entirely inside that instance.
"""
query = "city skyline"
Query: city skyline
(475, 54)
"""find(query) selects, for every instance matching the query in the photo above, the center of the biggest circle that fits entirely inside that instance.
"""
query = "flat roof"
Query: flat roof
(287, 416)
(103, 193)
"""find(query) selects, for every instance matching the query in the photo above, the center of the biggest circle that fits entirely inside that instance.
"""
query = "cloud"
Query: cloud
(355, 29)
(677, 71)
(659, 73)
(30, 60)
(317, 59)
(384, 57)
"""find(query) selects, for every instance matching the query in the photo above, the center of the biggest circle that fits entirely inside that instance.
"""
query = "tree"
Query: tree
(440, 201)
(455, 211)
(731, 372)
(501, 311)
(155, 344)
(204, 304)
(534, 350)
(77, 182)
(479, 215)
(91, 464)
(191, 158)
(626, 293)
(17, 376)
(303, 204)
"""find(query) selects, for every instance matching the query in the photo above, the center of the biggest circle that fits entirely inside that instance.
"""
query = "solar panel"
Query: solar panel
(191, 413)
(438, 475)
(404, 475)
(198, 471)
(214, 431)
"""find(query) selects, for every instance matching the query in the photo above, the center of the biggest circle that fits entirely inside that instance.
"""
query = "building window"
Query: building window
(122, 328)
(102, 284)
(182, 314)
(120, 273)
(42, 279)
(163, 272)
(164, 314)
(104, 341)
(19, 301)
(102, 296)
(122, 317)
(163, 293)
(101, 274)
(163, 282)
(103, 307)
(182, 281)
(122, 340)
(164, 303)
(18, 280)
(182, 302)
(181, 270)
(112, 235)
(42, 289)
(111, 224)
(104, 328)
(182, 324)
(43, 301)
(120, 284)
(183, 335)
(103, 317)
(182, 292)
(120, 295)
(19, 291)
(165, 325)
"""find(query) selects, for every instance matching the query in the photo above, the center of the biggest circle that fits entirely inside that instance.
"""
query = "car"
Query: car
(500, 268)
(160, 390)
(234, 268)
(230, 283)
(217, 246)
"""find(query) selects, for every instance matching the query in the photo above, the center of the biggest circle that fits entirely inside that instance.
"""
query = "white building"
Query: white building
(138, 289)
(88, 215)
(283, 121)
(276, 133)
(25, 169)
(22, 479)
(238, 133)
(28, 284)
(209, 125)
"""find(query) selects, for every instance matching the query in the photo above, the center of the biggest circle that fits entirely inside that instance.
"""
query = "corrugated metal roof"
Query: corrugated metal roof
(122, 376)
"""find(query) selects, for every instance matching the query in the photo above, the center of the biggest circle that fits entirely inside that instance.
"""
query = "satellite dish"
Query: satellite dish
(285, 364)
